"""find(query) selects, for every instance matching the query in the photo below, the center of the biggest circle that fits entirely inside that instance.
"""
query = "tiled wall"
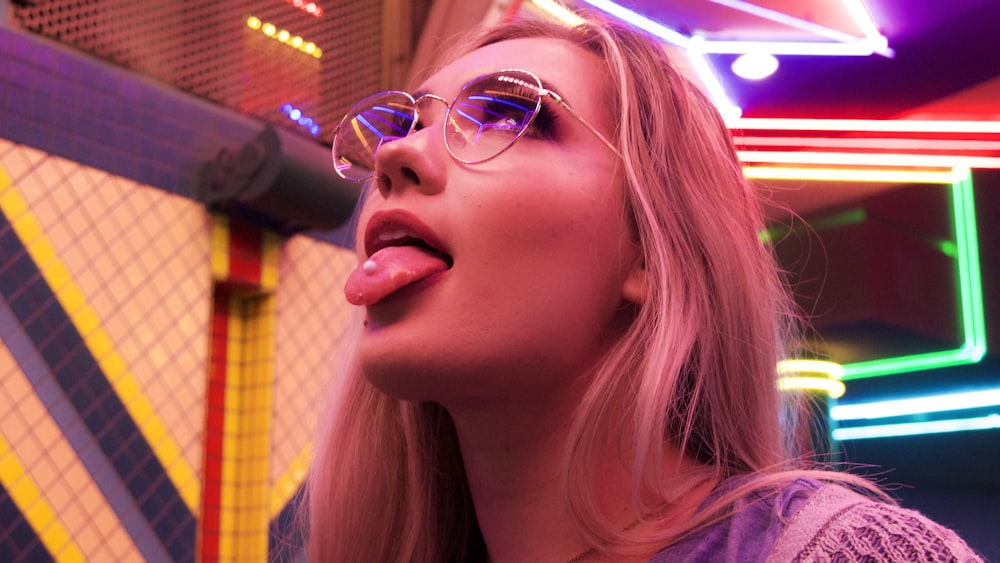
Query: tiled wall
(116, 443)
(106, 289)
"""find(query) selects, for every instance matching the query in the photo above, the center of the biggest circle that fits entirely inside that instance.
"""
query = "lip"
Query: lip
(398, 220)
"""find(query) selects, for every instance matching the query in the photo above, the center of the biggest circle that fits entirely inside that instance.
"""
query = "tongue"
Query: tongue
(395, 268)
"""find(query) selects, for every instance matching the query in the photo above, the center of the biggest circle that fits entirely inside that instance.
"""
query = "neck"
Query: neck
(513, 465)
(514, 461)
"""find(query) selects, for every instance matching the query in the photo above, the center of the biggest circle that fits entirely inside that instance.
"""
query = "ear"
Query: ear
(635, 287)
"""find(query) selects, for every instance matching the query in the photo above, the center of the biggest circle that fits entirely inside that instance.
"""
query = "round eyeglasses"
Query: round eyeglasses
(489, 114)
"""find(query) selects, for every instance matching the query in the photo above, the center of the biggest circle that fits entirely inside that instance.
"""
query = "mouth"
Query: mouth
(403, 253)
(402, 229)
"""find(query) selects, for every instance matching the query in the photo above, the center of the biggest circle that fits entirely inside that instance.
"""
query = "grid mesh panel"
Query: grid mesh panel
(55, 469)
(207, 49)
(311, 317)
(103, 303)
(139, 257)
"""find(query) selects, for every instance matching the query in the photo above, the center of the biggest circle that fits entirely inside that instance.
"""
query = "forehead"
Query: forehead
(570, 70)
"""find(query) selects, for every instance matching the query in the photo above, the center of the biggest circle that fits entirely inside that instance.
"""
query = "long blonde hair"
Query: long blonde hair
(695, 369)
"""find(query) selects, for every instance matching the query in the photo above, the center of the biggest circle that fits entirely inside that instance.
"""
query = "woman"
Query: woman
(568, 326)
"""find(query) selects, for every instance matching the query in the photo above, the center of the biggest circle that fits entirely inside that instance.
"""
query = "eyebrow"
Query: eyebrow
(545, 84)
(558, 91)
(548, 86)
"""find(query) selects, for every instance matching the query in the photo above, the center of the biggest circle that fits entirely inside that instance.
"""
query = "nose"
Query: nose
(418, 161)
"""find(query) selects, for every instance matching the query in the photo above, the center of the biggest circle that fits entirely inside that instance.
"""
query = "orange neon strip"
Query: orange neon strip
(852, 174)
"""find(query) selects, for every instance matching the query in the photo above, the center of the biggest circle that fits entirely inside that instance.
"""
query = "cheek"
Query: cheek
(561, 250)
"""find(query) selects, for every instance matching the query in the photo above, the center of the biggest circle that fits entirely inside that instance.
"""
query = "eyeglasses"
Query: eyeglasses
(489, 114)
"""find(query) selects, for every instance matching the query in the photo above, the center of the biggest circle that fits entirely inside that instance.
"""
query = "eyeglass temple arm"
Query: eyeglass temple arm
(558, 99)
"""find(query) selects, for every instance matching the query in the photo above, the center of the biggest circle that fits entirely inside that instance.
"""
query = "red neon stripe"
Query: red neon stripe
(246, 243)
(215, 405)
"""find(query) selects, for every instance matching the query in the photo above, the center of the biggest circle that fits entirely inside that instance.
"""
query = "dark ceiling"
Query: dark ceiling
(942, 48)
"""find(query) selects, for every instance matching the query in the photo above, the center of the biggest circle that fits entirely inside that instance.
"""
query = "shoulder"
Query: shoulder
(752, 524)
(838, 523)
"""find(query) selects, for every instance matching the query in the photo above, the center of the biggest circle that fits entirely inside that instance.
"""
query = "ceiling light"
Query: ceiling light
(914, 428)
(971, 312)
(980, 398)
(729, 110)
(823, 367)
(861, 48)
(559, 12)
(642, 22)
(789, 20)
(833, 388)
(755, 66)
(850, 175)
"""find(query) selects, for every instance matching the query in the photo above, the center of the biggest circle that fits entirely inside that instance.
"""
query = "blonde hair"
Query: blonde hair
(694, 370)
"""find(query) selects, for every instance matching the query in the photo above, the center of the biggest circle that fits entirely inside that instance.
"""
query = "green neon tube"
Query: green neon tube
(970, 298)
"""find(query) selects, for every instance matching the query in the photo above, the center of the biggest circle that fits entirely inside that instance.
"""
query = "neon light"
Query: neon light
(970, 296)
(850, 175)
(728, 110)
(869, 125)
(831, 387)
(829, 369)
(970, 288)
(918, 405)
(810, 48)
(863, 19)
(785, 19)
(969, 273)
(559, 12)
(913, 428)
(914, 362)
(830, 373)
(697, 46)
(308, 7)
(284, 36)
(642, 22)
(296, 115)
(870, 159)
(755, 66)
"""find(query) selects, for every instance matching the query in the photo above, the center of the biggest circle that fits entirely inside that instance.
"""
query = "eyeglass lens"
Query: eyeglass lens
(375, 120)
(485, 119)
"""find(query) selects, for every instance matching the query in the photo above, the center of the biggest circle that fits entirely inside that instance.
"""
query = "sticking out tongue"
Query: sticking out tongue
(395, 268)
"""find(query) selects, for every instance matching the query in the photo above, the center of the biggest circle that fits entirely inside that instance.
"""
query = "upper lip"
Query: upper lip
(401, 228)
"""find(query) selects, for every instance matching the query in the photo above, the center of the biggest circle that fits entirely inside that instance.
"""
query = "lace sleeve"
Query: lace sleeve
(840, 525)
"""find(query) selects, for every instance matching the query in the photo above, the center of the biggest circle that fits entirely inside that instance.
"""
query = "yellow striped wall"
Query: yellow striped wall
(129, 269)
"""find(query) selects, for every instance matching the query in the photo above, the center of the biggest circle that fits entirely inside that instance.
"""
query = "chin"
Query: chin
(396, 381)
(410, 377)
